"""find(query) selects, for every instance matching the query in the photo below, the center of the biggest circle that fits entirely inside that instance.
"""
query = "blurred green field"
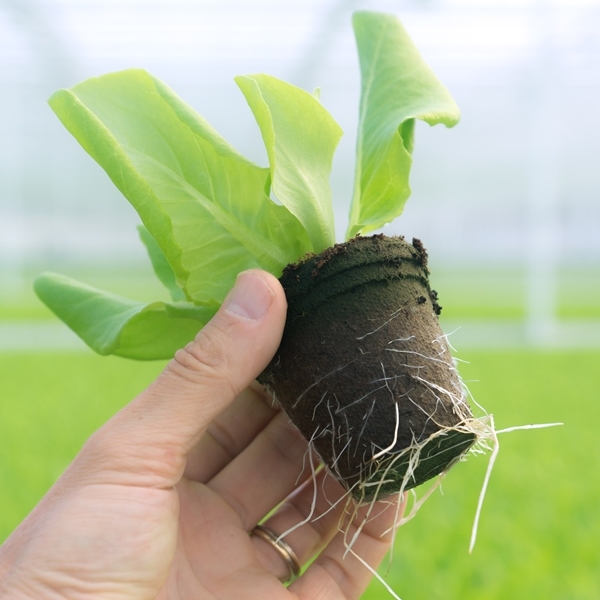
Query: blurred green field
(540, 526)
(464, 294)
(539, 532)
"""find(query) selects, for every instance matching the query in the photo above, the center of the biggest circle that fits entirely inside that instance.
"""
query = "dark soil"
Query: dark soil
(362, 336)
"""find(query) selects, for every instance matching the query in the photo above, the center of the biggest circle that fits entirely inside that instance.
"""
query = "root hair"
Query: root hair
(385, 468)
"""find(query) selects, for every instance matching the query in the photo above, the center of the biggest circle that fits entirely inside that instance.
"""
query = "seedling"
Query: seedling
(363, 370)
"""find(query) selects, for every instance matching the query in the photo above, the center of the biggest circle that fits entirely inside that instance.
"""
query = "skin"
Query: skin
(160, 500)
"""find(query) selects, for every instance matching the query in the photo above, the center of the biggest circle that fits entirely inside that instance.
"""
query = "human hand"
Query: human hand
(160, 501)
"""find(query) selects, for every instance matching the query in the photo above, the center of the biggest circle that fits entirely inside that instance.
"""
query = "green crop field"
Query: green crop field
(540, 525)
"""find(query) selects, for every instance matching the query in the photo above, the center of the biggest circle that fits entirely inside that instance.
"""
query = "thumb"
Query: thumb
(164, 422)
(227, 354)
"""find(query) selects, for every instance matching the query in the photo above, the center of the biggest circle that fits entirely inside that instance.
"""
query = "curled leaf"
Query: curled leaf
(397, 88)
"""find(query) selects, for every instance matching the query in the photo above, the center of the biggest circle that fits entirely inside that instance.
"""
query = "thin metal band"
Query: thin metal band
(283, 549)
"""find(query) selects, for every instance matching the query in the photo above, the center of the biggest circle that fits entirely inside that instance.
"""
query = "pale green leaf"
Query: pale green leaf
(161, 267)
(110, 324)
(206, 205)
(300, 137)
(397, 88)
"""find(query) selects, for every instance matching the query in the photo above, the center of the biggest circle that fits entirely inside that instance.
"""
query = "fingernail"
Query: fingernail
(250, 297)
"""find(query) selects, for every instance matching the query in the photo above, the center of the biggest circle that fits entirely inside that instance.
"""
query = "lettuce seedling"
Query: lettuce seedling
(363, 370)
(207, 211)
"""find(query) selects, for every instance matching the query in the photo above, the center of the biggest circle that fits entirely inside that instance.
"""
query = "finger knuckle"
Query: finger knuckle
(204, 358)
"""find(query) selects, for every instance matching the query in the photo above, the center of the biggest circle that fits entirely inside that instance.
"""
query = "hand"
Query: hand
(160, 501)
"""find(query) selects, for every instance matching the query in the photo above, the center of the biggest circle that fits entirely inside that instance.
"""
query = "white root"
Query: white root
(379, 469)
(414, 353)
(486, 439)
(533, 426)
(318, 381)
(392, 317)
(391, 446)
(496, 449)
(314, 470)
(375, 574)
(484, 486)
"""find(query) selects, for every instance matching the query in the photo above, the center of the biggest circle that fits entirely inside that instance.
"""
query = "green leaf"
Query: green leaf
(300, 137)
(161, 267)
(397, 88)
(110, 324)
(206, 205)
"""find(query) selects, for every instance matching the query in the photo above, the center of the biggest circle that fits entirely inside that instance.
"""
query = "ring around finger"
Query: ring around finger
(306, 521)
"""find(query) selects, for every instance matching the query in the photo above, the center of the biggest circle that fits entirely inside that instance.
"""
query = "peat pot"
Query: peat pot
(364, 370)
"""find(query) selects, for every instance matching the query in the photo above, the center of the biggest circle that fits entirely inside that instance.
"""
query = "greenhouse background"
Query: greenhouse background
(510, 194)
(507, 204)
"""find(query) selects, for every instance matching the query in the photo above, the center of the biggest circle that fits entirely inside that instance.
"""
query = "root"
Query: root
(418, 502)
(392, 317)
(384, 467)
(312, 459)
(391, 446)
(419, 354)
(318, 381)
(375, 574)
(359, 400)
(493, 433)
(488, 473)
(383, 463)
